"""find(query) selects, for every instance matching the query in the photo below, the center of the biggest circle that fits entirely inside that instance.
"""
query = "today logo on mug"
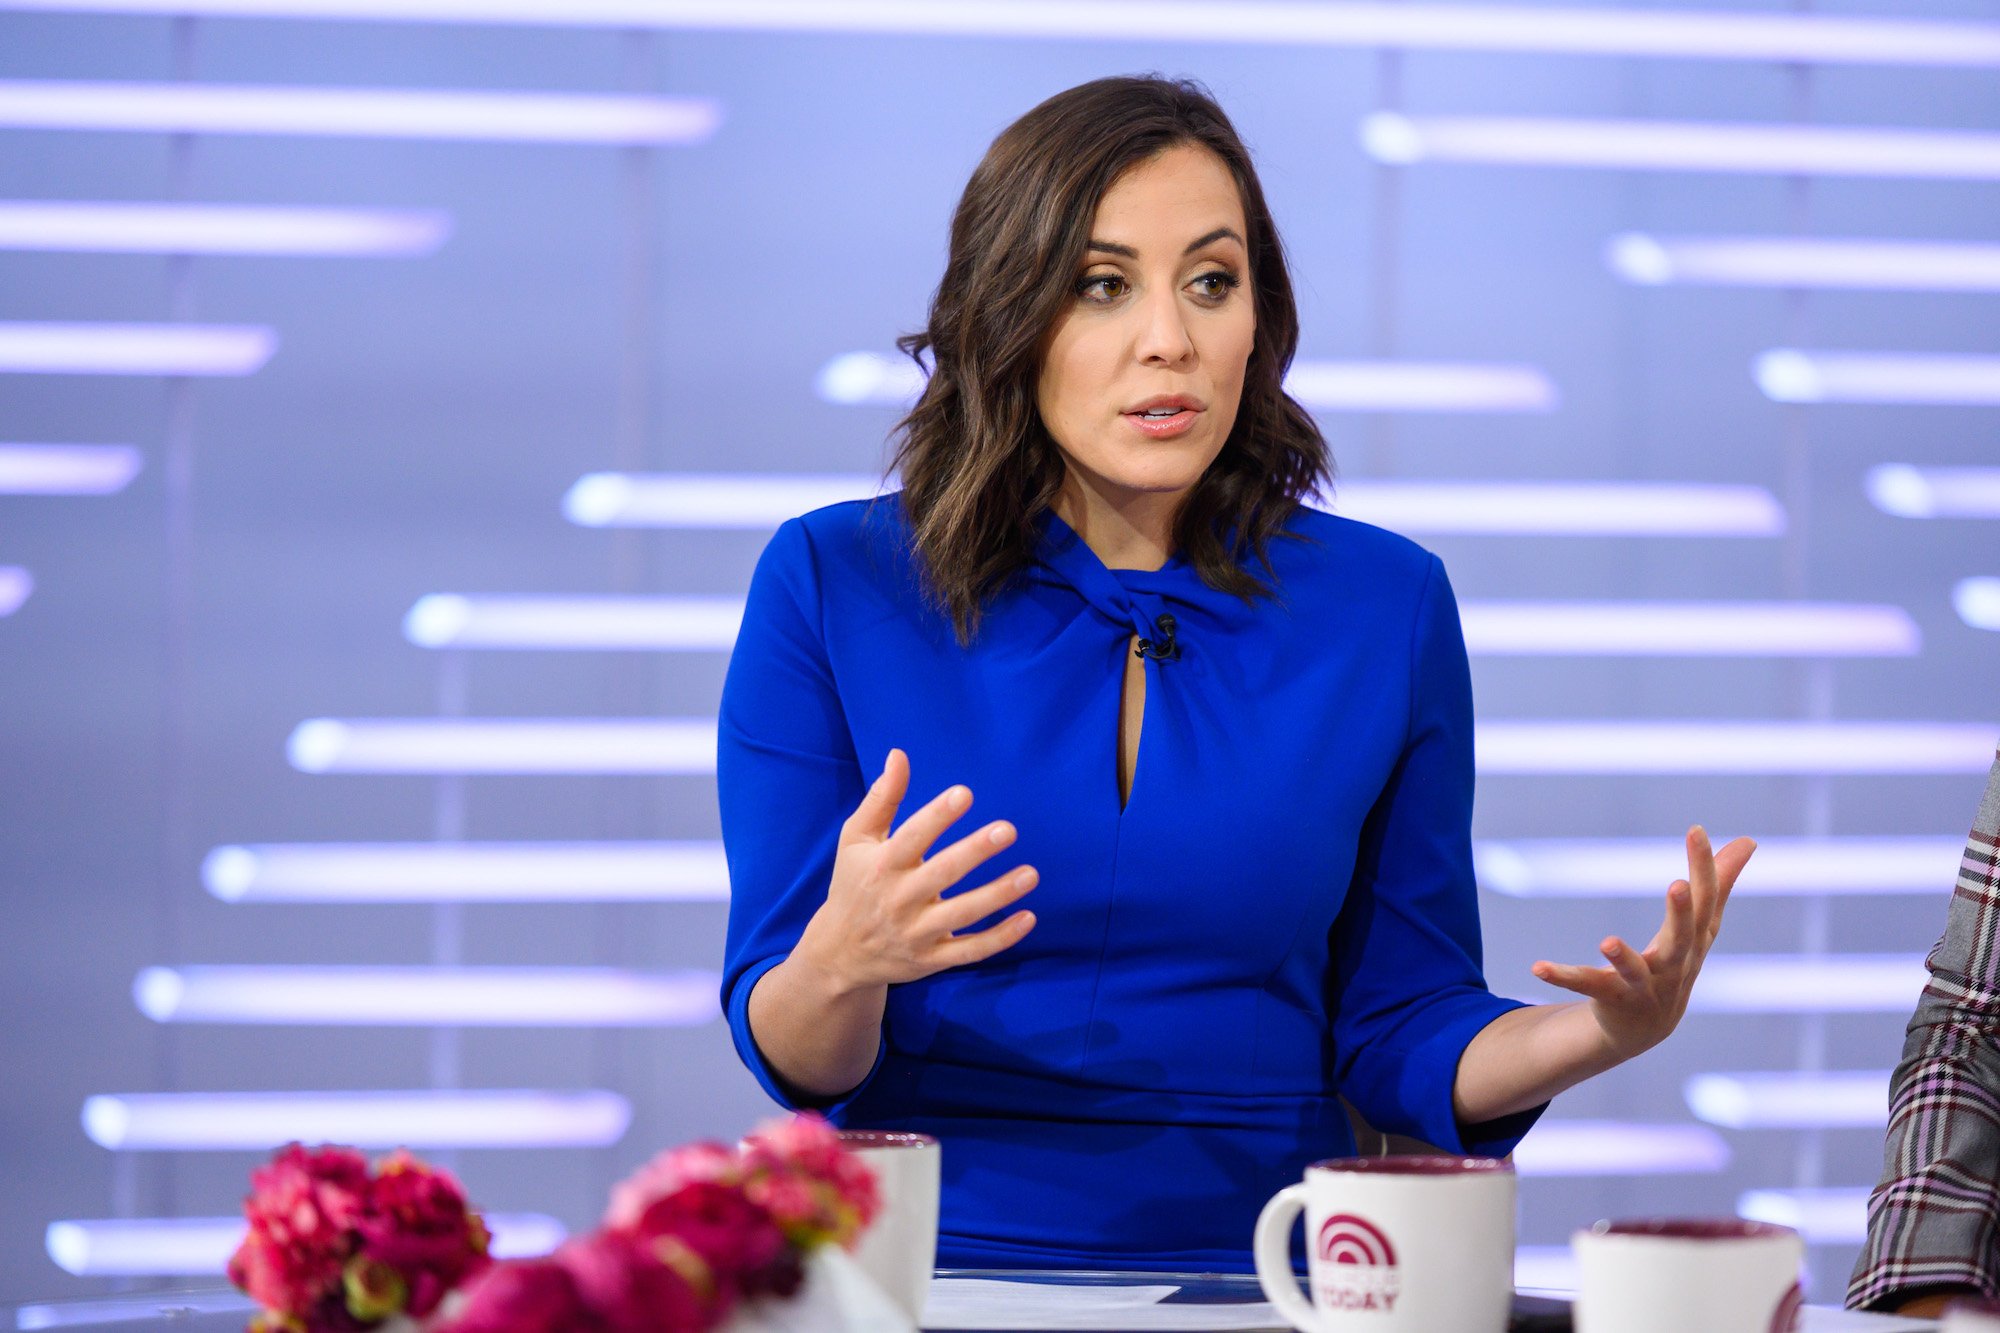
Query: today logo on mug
(1394, 1245)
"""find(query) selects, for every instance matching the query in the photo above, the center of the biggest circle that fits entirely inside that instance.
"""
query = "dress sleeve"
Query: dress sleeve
(787, 776)
(1406, 993)
(1932, 1219)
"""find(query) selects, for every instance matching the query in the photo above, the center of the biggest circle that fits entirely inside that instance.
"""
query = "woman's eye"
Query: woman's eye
(1099, 288)
(1217, 284)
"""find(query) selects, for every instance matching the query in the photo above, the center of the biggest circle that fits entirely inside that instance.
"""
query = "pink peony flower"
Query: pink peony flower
(302, 1210)
(666, 1173)
(721, 1241)
(524, 1296)
(628, 1287)
(418, 1225)
(802, 1174)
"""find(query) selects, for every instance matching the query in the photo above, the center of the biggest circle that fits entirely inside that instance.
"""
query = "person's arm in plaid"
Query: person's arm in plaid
(1932, 1220)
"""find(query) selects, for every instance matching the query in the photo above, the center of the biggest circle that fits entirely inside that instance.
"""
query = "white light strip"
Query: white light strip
(158, 1305)
(1935, 492)
(670, 624)
(15, 586)
(67, 469)
(1545, 1269)
(1977, 602)
(201, 1246)
(1847, 1099)
(218, 229)
(372, 113)
(259, 1121)
(1787, 375)
(1696, 34)
(1689, 629)
(1795, 984)
(710, 500)
(134, 349)
(1826, 1216)
(426, 996)
(1616, 1148)
(1668, 145)
(1734, 747)
(1643, 867)
(503, 745)
(1804, 261)
(486, 872)
(878, 378)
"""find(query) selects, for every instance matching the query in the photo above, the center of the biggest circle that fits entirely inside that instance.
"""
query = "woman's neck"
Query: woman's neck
(1135, 535)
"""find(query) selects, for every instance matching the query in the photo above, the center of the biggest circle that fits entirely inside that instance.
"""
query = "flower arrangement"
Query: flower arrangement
(332, 1247)
(695, 1236)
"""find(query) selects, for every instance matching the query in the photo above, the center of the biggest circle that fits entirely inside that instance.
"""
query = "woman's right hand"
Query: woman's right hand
(886, 919)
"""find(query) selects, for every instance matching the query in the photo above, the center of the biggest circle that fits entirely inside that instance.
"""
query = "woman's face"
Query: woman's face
(1144, 370)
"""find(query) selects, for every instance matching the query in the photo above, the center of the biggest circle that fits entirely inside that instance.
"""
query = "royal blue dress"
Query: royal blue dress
(1283, 912)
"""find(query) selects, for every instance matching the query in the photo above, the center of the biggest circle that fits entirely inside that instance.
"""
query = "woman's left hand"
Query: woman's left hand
(1639, 998)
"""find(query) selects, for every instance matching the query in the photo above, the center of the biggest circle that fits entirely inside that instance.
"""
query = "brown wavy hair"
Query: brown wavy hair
(978, 466)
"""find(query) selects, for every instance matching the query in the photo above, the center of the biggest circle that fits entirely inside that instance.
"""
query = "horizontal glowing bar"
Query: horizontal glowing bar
(1643, 867)
(1516, 508)
(1795, 984)
(1615, 1148)
(1845, 1099)
(426, 996)
(1734, 747)
(855, 378)
(449, 620)
(489, 872)
(67, 469)
(181, 1121)
(1826, 1216)
(201, 1246)
(1545, 1268)
(152, 1308)
(1689, 629)
(1935, 492)
(15, 585)
(708, 500)
(1977, 602)
(1523, 28)
(373, 113)
(1787, 375)
(503, 745)
(218, 229)
(1801, 261)
(134, 349)
(1668, 145)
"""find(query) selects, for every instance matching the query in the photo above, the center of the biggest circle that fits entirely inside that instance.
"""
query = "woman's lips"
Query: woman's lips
(1163, 428)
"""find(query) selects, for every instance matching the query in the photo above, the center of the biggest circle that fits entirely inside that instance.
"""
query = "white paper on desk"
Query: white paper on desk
(995, 1303)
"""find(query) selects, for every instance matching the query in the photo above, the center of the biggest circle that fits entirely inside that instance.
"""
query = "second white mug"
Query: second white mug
(899, 1251)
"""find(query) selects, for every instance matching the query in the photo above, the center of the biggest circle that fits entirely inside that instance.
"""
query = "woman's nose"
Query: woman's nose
(1164, 340)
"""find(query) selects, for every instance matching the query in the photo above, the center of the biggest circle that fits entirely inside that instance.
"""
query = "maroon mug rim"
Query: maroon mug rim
(1691, 1228)
(885, 1138)
(1413, 1164)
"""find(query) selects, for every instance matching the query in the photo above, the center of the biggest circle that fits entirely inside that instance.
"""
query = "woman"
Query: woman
(1226, 741)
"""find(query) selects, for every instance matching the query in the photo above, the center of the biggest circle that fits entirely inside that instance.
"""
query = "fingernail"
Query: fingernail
(959, 796)
(1025, 875)
(999, 833)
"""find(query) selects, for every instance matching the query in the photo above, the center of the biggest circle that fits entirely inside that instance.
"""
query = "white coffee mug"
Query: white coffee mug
(899, 1249)
(1394, 1245)
(1971, 1314)
(1669, 1275)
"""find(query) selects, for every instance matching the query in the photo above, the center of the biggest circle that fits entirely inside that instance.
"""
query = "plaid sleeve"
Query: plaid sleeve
(1932, 1219)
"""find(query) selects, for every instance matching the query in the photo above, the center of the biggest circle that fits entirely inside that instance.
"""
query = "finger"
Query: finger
(1677, 933)
(1595, 983)
(963, 909)
(877, 812)
(980, 946)
(1628, 962)
(908, 844)
(960, 859)
(1701, 877)
(1729, 863)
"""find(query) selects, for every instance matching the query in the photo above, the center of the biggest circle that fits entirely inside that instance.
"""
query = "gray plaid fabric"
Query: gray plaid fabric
(1932, 1221)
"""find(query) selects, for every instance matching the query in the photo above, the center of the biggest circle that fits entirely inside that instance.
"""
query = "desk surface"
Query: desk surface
(1073, 1300)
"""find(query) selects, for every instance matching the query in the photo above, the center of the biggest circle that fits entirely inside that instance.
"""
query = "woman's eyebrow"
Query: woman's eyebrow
(1112, 247)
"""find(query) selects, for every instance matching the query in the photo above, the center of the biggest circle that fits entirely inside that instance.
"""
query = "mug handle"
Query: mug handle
(1272, 1247)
